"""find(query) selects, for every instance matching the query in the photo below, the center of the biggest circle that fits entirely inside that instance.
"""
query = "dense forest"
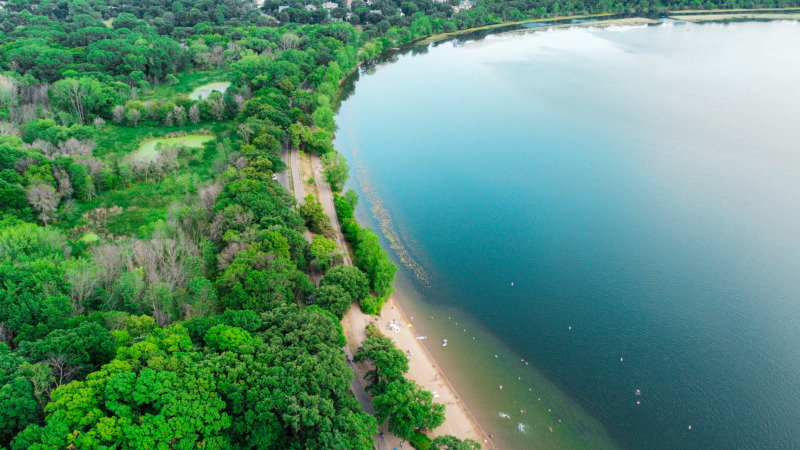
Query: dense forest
(163, 299)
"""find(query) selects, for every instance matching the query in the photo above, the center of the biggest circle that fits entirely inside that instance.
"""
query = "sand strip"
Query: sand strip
(423, 369)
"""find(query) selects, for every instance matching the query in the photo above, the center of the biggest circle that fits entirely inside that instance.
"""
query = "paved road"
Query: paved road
(283, 177)
(297, 182)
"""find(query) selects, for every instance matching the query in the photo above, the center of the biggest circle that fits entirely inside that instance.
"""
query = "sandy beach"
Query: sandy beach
(422, 369)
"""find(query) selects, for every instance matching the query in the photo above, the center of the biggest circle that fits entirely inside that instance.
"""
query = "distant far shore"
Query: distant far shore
(735, 15)
(597, 20)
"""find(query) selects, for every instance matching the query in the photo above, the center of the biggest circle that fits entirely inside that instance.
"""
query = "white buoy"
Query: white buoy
(570, 328)
(512, 283)
(620, 360)
(690, 427)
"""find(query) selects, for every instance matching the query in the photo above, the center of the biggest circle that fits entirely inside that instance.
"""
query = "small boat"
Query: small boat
(422, 337)
(504, 415)
(444, 342)
(521, 427)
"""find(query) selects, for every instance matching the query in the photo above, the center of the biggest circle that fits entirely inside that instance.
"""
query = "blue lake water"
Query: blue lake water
(638, 186)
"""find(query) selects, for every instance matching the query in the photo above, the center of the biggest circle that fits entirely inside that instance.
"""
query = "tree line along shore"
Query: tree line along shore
(165, 301)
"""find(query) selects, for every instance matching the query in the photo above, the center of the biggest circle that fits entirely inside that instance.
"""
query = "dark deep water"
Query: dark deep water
(638, 185)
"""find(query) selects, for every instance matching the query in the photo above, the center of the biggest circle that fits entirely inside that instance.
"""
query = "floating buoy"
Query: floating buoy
(570, 328)
(495, 356)
(690, 427)
(512, 283)
(620, 360)
(638, 402)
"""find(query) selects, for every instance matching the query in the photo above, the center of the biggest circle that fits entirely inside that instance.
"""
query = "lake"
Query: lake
(638, 186)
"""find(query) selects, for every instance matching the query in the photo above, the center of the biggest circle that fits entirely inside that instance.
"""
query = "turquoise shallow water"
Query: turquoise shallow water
(638, 186)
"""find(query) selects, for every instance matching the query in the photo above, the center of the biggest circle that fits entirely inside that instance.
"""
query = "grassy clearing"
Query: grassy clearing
(148, 149)
(187, 82)
(115, 141)
(307, 175)
(204, 91)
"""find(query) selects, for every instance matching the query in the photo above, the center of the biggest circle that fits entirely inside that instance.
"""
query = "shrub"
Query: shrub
(371, 305)
(420, 441)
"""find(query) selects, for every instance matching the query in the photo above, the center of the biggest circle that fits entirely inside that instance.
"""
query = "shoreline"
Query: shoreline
(396, 298)
(423, 370)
